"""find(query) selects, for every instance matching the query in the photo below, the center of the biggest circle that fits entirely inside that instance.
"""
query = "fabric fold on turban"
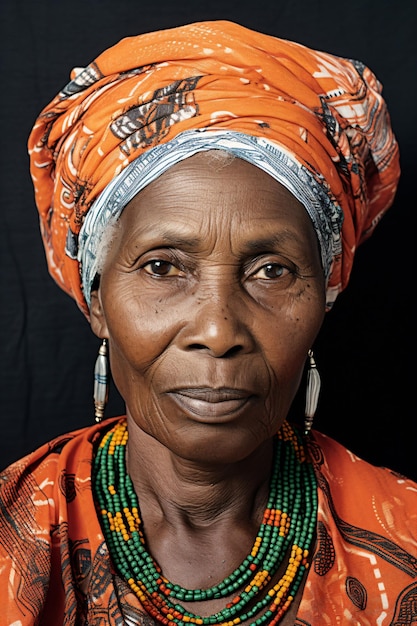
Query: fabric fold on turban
(209, 82)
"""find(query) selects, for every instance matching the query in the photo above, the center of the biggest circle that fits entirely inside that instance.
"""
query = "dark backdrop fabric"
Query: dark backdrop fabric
(365, 350)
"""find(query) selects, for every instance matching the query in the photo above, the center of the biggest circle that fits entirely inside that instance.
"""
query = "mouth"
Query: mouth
(211, 403)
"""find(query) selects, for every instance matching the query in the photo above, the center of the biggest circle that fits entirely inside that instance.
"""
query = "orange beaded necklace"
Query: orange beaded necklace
(288, 527)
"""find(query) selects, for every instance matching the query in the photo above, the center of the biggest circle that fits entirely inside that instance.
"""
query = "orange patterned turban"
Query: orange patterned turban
(315, 122)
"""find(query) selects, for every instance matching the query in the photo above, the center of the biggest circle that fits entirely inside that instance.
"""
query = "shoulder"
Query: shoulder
(365, 561)
(40, 496)
(30, 482)
(339, 457)
(371, 497)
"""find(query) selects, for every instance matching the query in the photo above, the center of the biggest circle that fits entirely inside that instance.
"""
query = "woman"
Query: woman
(202, 192)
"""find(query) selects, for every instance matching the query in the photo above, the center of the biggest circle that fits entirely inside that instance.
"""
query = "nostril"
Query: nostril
(224, 355)
(232, 352)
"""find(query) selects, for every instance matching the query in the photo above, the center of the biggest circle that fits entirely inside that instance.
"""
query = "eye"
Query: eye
(159, 267)
(270, 271)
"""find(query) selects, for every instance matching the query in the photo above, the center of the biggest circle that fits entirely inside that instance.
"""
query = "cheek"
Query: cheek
(288, 337)
(143, 332)
(139, 329)
(293, 322)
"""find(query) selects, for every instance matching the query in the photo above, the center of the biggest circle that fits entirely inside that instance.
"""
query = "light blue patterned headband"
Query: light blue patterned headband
(313, 193)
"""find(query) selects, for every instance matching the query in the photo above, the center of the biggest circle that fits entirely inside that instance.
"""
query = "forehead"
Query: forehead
(215, 187)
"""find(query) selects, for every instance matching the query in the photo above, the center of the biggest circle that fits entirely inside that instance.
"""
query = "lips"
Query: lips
(207, 402)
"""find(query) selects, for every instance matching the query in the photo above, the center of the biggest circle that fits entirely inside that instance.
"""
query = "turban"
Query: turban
(315, 122)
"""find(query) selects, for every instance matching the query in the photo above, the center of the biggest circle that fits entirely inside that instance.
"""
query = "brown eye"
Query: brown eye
(270, 271)
(158, 267)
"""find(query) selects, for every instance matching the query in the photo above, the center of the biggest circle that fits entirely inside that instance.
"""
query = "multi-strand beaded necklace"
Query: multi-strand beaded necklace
(285, 537)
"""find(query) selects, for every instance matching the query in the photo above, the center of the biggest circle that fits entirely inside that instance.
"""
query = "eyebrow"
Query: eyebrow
(260, 244)
(278, 239)
(176, 240)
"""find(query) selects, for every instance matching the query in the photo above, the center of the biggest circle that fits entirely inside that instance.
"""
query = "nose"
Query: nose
(219, 324)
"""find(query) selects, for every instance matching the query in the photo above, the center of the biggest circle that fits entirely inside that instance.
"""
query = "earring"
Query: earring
(101, 382)
(312, 394)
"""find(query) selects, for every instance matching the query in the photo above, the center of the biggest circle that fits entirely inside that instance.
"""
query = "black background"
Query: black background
(365, 352)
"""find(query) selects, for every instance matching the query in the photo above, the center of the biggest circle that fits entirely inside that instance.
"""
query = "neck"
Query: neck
(176, 491)
(208, 560)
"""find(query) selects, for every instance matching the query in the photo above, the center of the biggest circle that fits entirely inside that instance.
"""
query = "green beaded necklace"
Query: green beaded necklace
(287, 527)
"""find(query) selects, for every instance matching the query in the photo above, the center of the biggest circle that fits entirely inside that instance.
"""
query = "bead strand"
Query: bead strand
(287, 526)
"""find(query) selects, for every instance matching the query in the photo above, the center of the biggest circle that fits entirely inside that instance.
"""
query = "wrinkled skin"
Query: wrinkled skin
(213, 281)
(211, 295)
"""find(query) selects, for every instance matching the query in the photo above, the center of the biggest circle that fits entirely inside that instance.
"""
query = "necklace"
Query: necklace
(287, 527)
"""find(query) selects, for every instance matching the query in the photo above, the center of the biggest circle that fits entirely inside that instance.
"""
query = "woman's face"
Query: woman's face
(211, 295)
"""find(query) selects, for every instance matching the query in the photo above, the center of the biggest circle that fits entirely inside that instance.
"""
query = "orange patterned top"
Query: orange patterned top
(55, 566)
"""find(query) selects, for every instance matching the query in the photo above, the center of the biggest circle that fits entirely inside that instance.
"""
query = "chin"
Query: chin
(214, 445)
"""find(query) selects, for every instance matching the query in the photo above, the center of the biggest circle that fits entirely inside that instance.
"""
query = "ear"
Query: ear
(97, 318)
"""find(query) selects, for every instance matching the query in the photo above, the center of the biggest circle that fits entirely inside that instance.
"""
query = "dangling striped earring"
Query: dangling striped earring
(312, 394)
(101, 382)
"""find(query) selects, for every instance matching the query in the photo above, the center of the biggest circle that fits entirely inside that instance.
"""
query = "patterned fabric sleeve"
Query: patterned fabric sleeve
(55, 567)
(364, 570)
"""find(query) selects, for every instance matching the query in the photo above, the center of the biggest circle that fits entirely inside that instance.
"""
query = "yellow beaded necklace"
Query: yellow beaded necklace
(288, 526)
